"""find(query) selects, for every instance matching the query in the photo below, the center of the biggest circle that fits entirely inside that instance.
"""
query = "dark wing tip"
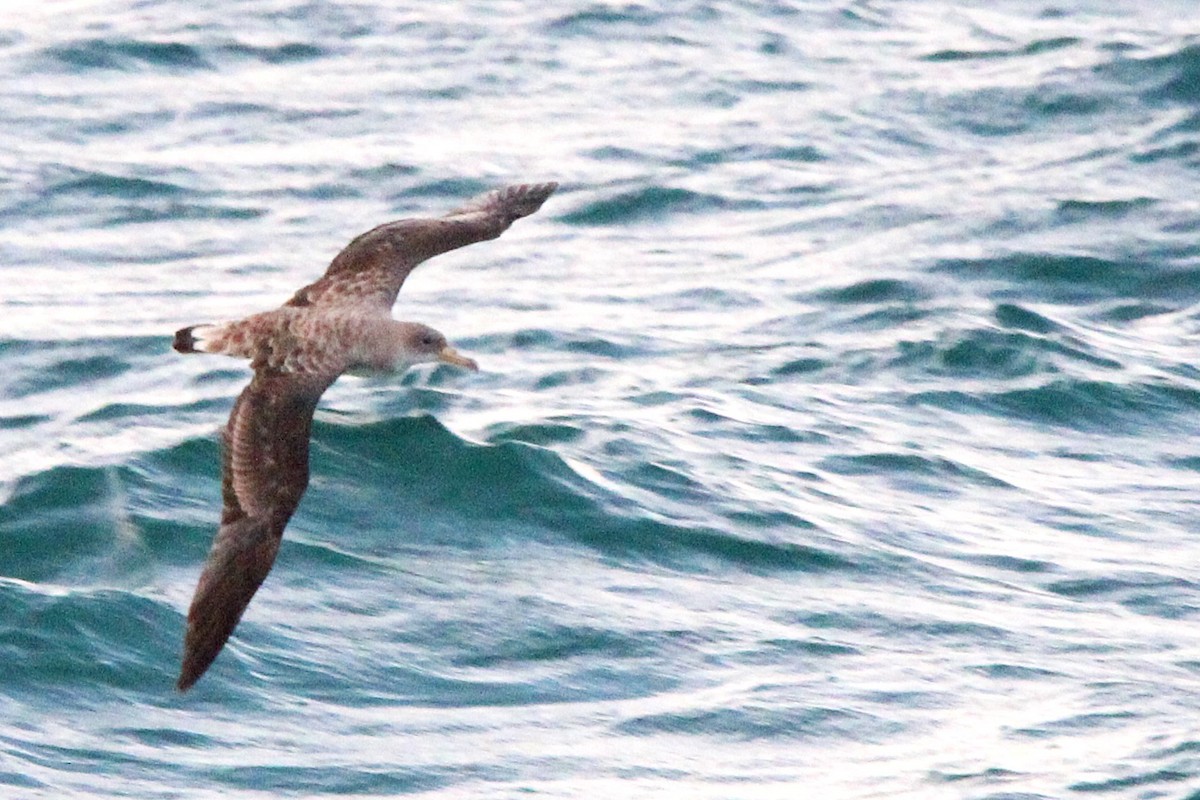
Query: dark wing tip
(187, 678)
(197, 658)
(511, 202)
(240, 558)
(203, 643)
(526, 198)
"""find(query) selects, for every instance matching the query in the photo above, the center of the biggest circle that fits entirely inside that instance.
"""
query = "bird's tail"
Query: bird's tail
(193, 339)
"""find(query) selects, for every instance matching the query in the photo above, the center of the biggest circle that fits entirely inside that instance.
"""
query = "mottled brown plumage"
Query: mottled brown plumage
(340, 323)
(372, 268)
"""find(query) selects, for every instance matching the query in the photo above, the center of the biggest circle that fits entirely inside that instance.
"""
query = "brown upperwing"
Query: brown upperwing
(372, 268)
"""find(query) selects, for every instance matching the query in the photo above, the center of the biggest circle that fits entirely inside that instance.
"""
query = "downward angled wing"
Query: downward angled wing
(371, 269)
(265, 475)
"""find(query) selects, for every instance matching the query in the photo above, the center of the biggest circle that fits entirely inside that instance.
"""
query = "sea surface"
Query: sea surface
(837, 433)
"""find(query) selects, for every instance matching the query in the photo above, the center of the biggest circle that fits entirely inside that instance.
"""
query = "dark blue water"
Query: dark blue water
(836, 435)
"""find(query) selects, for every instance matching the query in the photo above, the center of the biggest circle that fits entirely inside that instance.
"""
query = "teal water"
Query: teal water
(836, 434)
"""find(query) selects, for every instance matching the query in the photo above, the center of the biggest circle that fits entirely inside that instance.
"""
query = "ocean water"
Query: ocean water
(837, 433)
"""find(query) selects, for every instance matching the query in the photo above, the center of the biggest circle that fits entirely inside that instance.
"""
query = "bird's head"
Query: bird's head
(418, 344)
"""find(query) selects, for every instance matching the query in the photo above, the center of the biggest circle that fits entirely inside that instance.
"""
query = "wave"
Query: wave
(116, 199)
(414, 468)
(1079, 404)
(650, 203)
(115, 525)
(130, 54)
(1079, 279)
(126, 54)
(60, 644)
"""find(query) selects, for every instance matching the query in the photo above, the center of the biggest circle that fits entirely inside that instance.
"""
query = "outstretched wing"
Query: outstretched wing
(371, 269)
(265, 474)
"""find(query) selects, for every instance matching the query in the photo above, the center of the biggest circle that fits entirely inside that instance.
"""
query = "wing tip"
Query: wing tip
(186, 681)
(510, 202)
(198, 655)
(238, 562)
(524, 199)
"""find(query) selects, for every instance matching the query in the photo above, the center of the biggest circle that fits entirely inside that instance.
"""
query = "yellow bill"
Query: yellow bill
(451, 356)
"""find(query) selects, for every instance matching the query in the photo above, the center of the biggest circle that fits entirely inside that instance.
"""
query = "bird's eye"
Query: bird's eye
(428, 340)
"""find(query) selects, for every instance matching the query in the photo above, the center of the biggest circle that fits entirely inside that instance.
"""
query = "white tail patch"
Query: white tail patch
(199, 339)
(204, 337)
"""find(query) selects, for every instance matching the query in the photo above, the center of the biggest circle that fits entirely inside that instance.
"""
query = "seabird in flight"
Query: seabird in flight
(341, 323)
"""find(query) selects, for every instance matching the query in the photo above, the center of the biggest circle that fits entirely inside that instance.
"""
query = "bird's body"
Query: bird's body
(340, 323)
(324, 341)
